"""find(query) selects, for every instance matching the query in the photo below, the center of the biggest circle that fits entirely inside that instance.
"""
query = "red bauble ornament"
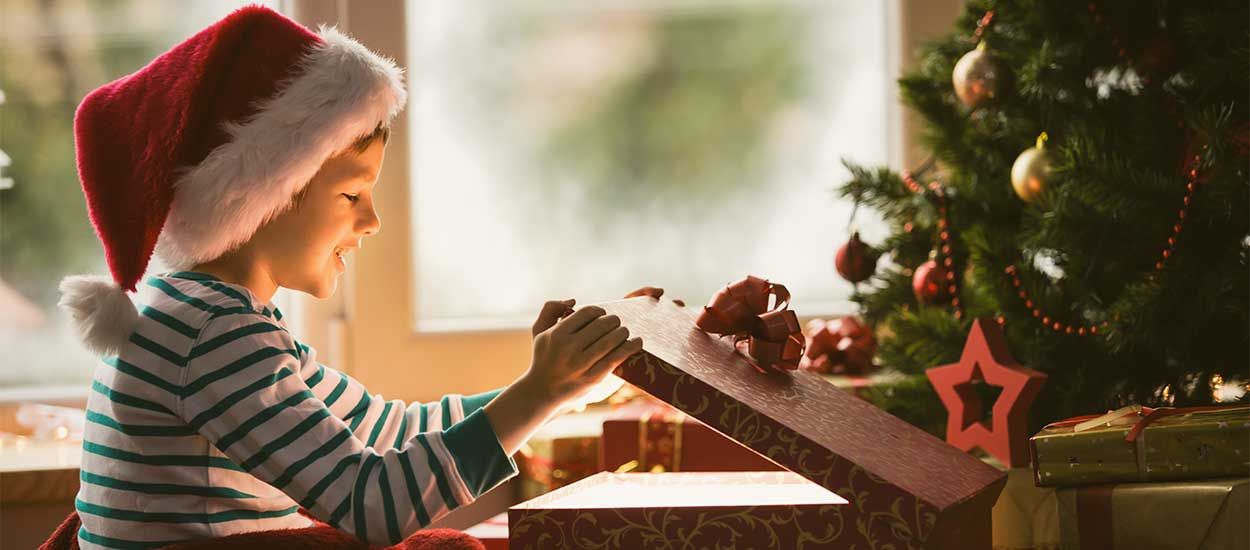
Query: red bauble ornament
(855, 261)
(931, 283)
(841, 346)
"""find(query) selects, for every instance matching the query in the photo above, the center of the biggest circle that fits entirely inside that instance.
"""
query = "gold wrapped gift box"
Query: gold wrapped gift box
(1183, 515)
(1142, 444)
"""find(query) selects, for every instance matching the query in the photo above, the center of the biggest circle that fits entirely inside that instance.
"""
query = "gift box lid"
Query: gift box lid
(893, 475)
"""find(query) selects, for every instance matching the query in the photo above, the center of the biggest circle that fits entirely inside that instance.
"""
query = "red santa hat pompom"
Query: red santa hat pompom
(190, 155)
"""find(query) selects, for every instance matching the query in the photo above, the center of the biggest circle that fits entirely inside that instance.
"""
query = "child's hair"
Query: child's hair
(363, 143)
(381, 132)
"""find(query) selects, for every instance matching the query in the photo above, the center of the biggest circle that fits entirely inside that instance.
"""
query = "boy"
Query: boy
(245, 157)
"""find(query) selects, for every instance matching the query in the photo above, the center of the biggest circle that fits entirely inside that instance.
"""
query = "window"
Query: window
(51, 55)
(581, 150)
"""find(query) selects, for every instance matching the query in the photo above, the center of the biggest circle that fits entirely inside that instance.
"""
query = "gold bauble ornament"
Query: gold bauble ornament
(1031, 171)
(976, 77)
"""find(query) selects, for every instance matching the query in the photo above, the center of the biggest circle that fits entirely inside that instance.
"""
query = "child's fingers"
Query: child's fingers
(595, 330)
(578, 319)
(614, 358)
(601, 346)
(654, 292)
(551, 313)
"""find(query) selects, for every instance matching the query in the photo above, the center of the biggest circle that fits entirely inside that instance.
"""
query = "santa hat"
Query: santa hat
(190, 155)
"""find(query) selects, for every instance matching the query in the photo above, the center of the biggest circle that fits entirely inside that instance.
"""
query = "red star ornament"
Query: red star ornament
(986, 358)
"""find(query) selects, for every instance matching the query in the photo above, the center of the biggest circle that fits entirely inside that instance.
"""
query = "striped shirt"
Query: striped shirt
(214, 420)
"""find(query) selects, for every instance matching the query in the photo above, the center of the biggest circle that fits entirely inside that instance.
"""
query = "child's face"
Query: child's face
(304, 246)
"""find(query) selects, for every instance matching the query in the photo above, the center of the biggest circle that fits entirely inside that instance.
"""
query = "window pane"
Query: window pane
(51, 55)
(583, 150)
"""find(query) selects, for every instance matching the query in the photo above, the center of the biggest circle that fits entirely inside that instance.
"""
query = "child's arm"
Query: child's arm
(567, 360)
(558, 373)
(452, 408)
(244, 393)
(239, 393)
(394, 421)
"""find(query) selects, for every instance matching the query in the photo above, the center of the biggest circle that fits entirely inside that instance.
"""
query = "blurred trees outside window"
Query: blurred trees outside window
(581, 150)
(52, 53)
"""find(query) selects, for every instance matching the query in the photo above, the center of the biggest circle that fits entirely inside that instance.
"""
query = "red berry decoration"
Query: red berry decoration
(855, 261)
(930, 283)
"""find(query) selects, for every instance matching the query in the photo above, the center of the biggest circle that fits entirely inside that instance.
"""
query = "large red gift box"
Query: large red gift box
(890, 484)
(682, 510)
(648, 436)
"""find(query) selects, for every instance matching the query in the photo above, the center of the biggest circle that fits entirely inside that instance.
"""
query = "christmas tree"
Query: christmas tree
(1087, 190)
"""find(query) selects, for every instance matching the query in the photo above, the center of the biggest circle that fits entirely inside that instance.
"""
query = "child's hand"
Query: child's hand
(654, 292)
(573, 352)
(551, 314)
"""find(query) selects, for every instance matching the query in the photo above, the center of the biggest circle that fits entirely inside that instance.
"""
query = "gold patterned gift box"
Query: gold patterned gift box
(857, 477)
(1143, 444)
(1208, 514)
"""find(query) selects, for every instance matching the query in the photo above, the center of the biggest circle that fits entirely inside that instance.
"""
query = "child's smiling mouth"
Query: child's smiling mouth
(341, 255)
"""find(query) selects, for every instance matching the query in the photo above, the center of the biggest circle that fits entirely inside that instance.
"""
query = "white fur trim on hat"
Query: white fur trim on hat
(100, 311)
(342, 92)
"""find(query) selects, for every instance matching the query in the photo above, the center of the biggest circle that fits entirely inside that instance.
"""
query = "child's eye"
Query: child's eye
(352, 198)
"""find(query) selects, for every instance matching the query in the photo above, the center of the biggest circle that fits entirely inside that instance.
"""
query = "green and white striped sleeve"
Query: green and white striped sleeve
(377, 420)
(282, 433)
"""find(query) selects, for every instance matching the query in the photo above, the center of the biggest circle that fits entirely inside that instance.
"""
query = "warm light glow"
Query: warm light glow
(697, 489)
(1226, 391)
(599, 392)
(1166, 394)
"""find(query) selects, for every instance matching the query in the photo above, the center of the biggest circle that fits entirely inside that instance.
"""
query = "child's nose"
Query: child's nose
(369, 223)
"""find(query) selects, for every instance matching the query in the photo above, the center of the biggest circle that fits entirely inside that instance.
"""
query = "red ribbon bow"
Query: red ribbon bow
(774, 338)
(839, 346)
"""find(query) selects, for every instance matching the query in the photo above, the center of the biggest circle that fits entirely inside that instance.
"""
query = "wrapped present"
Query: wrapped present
(1144, 444)
(1176, 515)
(857, 477)
(1190, 515)
(683, 510)
(1025, 516)
(650, 436)
(564, 450)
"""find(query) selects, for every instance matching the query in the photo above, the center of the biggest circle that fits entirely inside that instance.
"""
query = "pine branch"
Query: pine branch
(1121, 127)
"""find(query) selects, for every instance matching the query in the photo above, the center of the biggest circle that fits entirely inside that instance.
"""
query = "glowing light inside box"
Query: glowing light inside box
(703, 489)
